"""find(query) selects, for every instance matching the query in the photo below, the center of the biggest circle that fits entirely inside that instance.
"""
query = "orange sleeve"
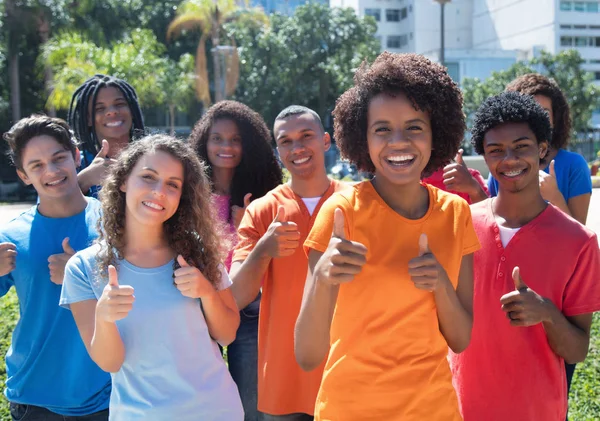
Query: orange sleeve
(470, 240)
(320, 234)
(249, 232)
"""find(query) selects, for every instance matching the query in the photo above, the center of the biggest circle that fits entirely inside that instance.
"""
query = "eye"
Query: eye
(415, 128)
(148, 177)
(173, 185)
(36, 166)
(100, 109)
(381, 130)
(237, 140)
(522, 145)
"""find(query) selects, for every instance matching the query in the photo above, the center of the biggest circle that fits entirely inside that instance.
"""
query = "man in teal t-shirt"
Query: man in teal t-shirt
(50, 375)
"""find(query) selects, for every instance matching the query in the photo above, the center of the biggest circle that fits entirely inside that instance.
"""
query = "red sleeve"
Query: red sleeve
(582, 292)
(479, 178)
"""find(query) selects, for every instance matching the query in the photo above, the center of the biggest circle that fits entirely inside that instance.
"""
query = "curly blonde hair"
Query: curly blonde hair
(193, 231)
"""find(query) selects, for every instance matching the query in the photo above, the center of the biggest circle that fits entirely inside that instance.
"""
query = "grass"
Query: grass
(584, 402)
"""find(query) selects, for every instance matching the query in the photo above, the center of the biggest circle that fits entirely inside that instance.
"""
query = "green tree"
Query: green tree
(565, 67)
(308, 58)
(177, 82)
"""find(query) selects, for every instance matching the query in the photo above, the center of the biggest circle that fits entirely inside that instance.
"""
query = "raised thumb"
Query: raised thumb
(459, 158)
(516, 275)
(113, 279)
(104, 150)
(552, 173)
(423, 245)
(280, 216)
(67, 247)
(338, 224)
(247, 199)
(182, 262)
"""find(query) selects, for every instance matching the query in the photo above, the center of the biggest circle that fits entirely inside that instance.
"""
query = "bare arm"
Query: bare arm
(222, 316)
(247, 275)
(578, 207)
(569, 337)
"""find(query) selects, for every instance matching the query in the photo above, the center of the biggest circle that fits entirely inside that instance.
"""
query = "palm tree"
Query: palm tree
(209, 16)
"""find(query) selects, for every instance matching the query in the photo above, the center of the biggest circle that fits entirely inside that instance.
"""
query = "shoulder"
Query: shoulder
(571, 159)
(266, 206)
(86, 258)
(18, 224)
(565, 227)
(349, 194)
(445, 200)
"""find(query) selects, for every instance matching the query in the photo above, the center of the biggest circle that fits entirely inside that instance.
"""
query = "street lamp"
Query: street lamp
(442, 3)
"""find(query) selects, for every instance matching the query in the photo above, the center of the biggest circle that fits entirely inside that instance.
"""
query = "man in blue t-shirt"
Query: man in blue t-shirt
(50, 375)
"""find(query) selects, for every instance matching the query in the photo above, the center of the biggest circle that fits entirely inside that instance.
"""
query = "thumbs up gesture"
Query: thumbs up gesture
(523, 306)
(457, 176)
(97, 171)
(282, 237)
(116, 300)
(8, 256)
(548, 184)
(425, 270)
(190, 281)
(57, 262)
(343, 259)
(237, 212)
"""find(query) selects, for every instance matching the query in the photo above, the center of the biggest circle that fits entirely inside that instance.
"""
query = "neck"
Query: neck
(64, 207)
(409, 200)
(311, 187)
(514, 210)
(145, 245)
(116, 145)
(222, 178)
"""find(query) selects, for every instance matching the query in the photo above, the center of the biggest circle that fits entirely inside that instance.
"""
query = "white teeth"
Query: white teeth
(301, 161)
(513, 173)
(400, 158)
(114, 124)
(54, 183)
(225, 156)
(153, 205)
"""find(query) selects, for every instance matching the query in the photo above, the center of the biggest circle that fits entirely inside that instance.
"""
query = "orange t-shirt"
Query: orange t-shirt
(283, 387)
(387, 357)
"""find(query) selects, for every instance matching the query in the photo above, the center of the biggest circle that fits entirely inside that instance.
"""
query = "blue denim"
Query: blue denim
(570, 369)
(242, 355)
(20, 412)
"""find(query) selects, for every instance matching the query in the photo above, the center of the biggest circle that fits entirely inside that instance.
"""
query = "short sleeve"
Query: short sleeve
(470, 240)
(76, 284)
(580, 181)
(248, 235)
(479, 178)
(320, 234)
(225, 279)
(6, 281)
(582, 292)
(492, 186)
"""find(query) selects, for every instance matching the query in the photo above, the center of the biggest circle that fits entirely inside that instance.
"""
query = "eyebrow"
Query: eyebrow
(514, 141)
(98, 102)
(156, 172)
(301, 131)
(414, 120)
(35, 161)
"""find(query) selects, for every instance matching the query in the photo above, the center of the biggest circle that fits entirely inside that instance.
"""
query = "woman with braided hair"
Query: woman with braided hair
(105, 115)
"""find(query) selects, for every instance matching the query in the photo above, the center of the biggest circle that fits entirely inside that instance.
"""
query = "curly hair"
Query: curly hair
(426, 84)
(536, 84)
(258, 171)
(510, 107)
(88, 93)
(193, 231)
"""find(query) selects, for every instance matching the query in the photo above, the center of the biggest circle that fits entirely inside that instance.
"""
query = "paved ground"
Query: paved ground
(7, 212)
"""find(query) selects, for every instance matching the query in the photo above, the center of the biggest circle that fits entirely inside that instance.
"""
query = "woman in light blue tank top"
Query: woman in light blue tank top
(151, 298)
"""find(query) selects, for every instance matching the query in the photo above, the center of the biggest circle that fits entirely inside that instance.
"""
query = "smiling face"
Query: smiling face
(512, 154)
(301, 144)
(153, 189)
(111, 114)
(50, 168)
(224, 146)
(399, 139)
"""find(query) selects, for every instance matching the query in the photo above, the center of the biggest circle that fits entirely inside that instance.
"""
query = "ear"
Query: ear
(123, 188)
(543, 146)
(24, 177)
(77, 158)
(327, 141)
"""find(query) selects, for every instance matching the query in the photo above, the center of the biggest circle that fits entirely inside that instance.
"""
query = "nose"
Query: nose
(52, 168)
(298, 146)
(159, 189)
(510, 155)
(398, 137)
(111, 110)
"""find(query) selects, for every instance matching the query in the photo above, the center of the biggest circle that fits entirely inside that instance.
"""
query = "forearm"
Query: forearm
(106, 347)
(247, 279)
(559, 201)
(455, 321)
(477, 194)
(565, 339)
(222, 320)
(311, 340)
(84, 181)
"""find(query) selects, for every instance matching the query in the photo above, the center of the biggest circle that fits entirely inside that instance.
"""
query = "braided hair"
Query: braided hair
(85, 132)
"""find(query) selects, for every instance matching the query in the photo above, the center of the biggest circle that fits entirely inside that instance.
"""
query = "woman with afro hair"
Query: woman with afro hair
(390, 277)
(235, 143)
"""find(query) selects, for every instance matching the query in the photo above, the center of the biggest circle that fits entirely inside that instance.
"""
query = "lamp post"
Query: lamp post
(442, 3)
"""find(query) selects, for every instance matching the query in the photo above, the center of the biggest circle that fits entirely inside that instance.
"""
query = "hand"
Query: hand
(116, 301)
(8, 256)
(425, 270)
(57, 262)
(190, 281)
(98, 169)
(457, 176)
(343, 259)
(282, 238)
(523, 306)
(237, 213)
(548, 185)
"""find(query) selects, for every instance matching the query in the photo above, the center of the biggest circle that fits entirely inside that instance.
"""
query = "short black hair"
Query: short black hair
(510, 107)
(293, 110)
(425, 83)
(37, 125)
(78, 110)
(536, 84)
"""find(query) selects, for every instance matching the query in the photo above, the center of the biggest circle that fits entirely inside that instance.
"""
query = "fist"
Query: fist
(425, 270)
(116, 301)
(190, 281)
(57, 262)
(8, 256)
(282, 238)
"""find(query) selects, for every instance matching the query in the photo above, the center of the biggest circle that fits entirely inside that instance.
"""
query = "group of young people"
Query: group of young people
(199, 287)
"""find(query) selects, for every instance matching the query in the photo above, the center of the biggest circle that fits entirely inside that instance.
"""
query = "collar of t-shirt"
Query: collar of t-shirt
(311, 203)
(506, 234)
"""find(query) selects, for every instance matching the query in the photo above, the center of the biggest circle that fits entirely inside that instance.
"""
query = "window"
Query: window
(594, 27)
(397, 41)
(566, 6)
(594, 61)
(375, 13)
(565, 26)
(581, 41)
(591, 7)
(579, 6)
(566, 41)
(597, 75)
(403, 13)
(597, 43)
(580, 27)
(392, 15)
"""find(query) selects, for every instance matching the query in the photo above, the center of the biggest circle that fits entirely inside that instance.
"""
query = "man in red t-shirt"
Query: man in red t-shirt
(535, 278)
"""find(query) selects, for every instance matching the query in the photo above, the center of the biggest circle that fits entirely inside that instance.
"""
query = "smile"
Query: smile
(400, 160)
(224, 156)
(513, 173)
(115, 124)
(301, 160)
(57, 182)
(153, 205)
